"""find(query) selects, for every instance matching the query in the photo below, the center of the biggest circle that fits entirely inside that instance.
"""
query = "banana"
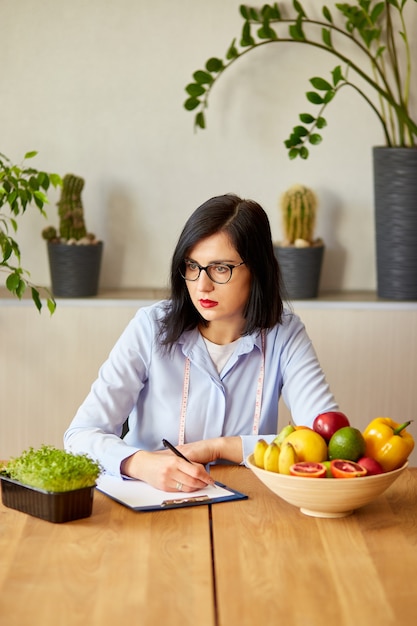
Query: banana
(287, 457)
(259, 452)
(271, 457)
(283, 433)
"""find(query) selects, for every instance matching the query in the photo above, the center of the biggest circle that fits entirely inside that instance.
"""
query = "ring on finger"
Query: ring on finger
(178, 486)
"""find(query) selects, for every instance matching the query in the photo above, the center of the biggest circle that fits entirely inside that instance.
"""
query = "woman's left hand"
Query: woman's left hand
(208, 450)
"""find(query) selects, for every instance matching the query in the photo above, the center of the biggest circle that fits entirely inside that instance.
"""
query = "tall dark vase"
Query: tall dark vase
(395, 198)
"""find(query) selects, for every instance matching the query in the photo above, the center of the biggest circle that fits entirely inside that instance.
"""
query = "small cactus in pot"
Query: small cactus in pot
(74, 253)
(72, 228)
(299, 256)
(298, 209)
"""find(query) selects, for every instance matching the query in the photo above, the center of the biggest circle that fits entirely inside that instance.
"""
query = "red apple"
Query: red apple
(326, 424)
(371, 466)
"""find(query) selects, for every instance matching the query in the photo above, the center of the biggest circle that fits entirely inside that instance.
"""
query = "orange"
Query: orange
(308, 470)
(346, 469)
(308, 445)
(347, 443)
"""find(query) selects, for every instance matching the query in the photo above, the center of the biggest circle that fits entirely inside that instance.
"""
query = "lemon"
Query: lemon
(347, 443)
(308, 445)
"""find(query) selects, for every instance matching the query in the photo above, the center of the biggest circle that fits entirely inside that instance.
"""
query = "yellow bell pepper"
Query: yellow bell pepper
(388, 442)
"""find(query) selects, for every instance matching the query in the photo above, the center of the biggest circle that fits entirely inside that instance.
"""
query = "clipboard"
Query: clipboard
(139, 496)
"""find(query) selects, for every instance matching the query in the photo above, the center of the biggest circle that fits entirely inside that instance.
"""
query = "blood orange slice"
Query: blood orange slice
(308, 469)
(346, 469)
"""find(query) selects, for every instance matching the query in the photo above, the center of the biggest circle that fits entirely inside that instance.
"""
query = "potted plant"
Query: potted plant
(49, 483)
(20, 187)
(370, 40)
(299, 255)
(74, 254)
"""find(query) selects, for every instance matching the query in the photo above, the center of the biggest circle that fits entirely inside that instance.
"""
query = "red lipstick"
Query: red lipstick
(208, 304)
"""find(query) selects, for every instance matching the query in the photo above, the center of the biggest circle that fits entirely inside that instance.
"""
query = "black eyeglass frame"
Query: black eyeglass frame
(207, 270)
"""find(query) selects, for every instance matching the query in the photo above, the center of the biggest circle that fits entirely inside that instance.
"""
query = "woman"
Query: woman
(204, 369)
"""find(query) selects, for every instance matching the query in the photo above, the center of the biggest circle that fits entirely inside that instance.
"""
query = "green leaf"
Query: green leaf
(21, 288)
(203, 78)
(299, 8)
(200, 120)
(376, 12)
(337, 75)
(296, 32)
(55, 179)
(328, 97)
(271, 12)
(33, 182)
(300, 131)
(51, 304)
(191, 104)
(380, 51)
(327, 15)
(12, 282)
(307, 118)
(320, 84)
(247, 39)
(36, 299)
(31, 154)
(315, 139)
(43, 180)
(6, 248)
(266, 32)
(293, 153)
(232, 52)
(304, 152)
(195, 90)
(40, 198)
(244, 11)
(314, 97)
(214, 65)
(327, 37)
(11, 198)
(321, 122)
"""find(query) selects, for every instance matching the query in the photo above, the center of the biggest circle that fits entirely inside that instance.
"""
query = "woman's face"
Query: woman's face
(219, 304)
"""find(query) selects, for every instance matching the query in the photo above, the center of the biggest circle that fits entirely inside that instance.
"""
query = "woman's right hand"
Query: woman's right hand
(165, 471)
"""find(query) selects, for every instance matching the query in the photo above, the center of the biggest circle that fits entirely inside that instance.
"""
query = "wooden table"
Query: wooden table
(257, 561)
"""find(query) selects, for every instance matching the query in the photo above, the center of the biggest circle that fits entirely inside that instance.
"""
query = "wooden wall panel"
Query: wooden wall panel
(47, 366)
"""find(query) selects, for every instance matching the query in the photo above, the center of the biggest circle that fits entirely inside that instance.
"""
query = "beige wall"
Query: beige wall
(368, 351)
(97, 88)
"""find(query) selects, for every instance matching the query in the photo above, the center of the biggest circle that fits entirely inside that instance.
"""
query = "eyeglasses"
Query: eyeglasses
(219, 273)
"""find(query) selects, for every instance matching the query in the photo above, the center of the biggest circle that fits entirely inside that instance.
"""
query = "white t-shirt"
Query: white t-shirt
(220, 354)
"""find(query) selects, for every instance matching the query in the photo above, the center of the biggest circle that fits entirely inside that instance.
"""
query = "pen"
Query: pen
(174, 450)
(178, 453)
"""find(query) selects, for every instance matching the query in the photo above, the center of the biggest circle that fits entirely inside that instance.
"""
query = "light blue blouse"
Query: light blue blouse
(141, 382)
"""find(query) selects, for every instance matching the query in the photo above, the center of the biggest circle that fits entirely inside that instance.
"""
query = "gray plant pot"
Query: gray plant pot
(75, 270)
(395, 199)
(300, 270)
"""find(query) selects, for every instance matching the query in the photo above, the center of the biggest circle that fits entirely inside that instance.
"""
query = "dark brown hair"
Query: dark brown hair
(248, 228)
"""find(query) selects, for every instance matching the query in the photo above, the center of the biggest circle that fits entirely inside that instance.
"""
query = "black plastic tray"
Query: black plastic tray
(53, 507)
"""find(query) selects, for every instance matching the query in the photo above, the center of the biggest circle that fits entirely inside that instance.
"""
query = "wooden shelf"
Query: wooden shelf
(145, 295)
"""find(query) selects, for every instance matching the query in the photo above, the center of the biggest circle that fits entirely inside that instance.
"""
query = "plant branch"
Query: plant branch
(363, 18)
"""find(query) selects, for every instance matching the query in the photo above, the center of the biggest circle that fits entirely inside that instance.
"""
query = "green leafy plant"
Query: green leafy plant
(20, 187)
(53, 470)
(373, 32)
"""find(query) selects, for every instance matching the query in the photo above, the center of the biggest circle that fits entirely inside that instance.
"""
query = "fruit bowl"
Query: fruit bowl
(326, 497)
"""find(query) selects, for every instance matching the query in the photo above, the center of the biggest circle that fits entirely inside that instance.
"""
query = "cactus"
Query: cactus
(71, 212)
(298, 206)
